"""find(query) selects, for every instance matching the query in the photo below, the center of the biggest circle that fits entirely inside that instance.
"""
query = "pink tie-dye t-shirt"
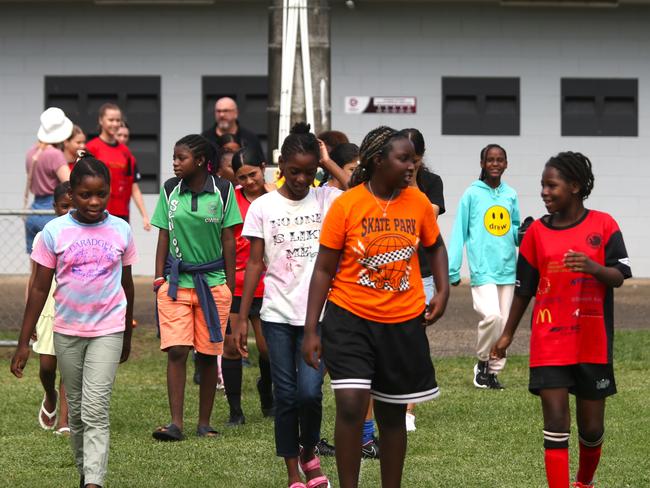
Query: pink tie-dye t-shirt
(88, 261)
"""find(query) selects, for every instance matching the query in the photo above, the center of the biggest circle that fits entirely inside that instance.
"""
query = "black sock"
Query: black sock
(265, 375)
(232, 378)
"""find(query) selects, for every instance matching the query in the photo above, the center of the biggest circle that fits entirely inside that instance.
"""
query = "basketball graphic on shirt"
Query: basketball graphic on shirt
(497, 220)
(386, 263)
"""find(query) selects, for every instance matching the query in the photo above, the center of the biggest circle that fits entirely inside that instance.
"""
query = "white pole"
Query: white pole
(306, 64)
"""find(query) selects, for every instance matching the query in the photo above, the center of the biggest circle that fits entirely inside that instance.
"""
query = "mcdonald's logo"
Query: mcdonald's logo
(543, 316)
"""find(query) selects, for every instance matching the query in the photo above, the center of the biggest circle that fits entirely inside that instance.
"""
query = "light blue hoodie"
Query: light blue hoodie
(487, 221)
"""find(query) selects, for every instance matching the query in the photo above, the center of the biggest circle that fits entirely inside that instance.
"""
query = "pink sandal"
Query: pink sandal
(313, 465)
(297, 484)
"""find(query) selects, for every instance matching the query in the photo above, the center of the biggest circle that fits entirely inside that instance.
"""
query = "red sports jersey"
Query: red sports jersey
(243, 247)
(573, 319)
(121, 164)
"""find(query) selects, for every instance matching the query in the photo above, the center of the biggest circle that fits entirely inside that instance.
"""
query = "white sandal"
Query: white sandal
(50, 416)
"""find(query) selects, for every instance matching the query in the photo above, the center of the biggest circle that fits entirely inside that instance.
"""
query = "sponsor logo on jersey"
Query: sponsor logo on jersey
(544, 316)
(595, 240)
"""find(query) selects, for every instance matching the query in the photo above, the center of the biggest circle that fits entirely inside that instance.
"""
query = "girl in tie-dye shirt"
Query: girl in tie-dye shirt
(90, 252)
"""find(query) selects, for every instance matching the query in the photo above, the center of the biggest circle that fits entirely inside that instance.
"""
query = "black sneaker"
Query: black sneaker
(493, 382)
(322, 448)
(267, 402)
(370, 450)
(481, 376)
(236, 419)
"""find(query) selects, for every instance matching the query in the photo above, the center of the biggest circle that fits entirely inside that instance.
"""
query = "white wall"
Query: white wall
(178, 44)
(399, 48)
(405, 49)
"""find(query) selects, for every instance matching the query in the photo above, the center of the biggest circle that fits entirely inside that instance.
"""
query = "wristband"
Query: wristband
(158, 282)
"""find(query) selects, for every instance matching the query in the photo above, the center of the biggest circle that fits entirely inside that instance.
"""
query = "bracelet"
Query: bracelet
(158, 282)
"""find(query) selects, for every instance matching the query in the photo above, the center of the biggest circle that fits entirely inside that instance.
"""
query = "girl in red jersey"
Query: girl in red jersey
(249, 174)
(120, 162)
(570, 260)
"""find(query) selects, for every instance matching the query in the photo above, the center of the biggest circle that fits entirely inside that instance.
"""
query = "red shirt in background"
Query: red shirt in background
(121, 164)
(243, 247)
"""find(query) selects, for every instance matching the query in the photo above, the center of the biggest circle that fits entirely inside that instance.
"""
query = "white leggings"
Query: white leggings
(492, 302)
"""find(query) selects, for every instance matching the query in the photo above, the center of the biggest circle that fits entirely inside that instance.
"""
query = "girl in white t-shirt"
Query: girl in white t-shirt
(283, 227)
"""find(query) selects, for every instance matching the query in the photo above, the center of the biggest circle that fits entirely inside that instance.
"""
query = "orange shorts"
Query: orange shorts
(182, 322)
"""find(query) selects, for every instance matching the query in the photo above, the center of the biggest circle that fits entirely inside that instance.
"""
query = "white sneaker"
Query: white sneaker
(410, 422)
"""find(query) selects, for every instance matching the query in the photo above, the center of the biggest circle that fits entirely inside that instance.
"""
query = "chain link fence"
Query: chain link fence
(14, 266)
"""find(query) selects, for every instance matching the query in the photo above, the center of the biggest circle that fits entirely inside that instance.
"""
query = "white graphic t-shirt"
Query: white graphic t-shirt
(290, 230)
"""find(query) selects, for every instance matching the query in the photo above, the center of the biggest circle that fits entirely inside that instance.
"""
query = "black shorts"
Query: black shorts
(584, 380)
(391, 360)
(254, 311)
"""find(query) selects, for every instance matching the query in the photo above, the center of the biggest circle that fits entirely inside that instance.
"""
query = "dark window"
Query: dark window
(139, 98)
(251, 94)
(480, 106)
(600, 107)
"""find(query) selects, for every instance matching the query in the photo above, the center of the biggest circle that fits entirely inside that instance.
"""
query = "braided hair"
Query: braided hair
(574, 167)
(484, 153)
(376, 143)
(88, 165)
(199, 146)
(300, 141)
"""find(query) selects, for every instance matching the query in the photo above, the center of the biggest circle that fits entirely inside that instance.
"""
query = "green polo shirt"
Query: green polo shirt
(195, 222)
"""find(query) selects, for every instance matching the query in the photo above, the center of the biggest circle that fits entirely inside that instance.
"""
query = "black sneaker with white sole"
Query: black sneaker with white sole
(493, 382)
(370, 450)
(481, 376)
(323, 448)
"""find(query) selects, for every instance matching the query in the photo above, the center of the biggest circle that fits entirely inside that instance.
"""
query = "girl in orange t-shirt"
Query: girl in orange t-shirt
(373, 339)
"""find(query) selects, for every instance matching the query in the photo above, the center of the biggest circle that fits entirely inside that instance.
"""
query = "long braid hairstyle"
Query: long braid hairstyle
(484, 153)
(199, 146)
(376, 143)
(576, 167)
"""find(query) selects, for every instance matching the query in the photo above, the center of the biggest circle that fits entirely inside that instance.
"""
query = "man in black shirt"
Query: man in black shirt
(225, 116)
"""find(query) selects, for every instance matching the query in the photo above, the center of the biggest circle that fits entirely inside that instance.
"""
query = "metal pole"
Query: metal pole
(318, 15)
(275, 72)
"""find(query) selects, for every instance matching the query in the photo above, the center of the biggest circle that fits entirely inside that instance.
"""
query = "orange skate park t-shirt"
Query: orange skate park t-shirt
(378, 277)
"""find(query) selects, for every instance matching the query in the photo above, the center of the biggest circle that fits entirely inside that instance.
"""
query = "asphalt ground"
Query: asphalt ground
(453, 335)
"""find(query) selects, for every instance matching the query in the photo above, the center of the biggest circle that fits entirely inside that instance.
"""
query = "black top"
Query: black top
(245, 138)
(431, 185)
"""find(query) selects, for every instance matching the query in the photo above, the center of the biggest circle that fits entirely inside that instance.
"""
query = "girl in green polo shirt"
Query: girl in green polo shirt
(195, 269)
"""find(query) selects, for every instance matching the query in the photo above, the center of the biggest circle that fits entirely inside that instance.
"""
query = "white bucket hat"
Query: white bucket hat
(55, 126)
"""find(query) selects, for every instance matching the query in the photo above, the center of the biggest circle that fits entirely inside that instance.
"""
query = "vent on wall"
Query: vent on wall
(599, 107)
(560, 3)
(480, 106)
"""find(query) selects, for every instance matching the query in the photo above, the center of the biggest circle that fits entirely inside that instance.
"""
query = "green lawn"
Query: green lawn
(466, 438)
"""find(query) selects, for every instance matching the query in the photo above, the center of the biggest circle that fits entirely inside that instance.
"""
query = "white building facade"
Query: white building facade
(377, 49)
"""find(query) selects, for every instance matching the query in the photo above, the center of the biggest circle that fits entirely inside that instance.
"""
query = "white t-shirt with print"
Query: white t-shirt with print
(290, 229)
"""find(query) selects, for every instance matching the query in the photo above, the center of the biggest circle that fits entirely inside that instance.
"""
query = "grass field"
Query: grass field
(466, 438)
